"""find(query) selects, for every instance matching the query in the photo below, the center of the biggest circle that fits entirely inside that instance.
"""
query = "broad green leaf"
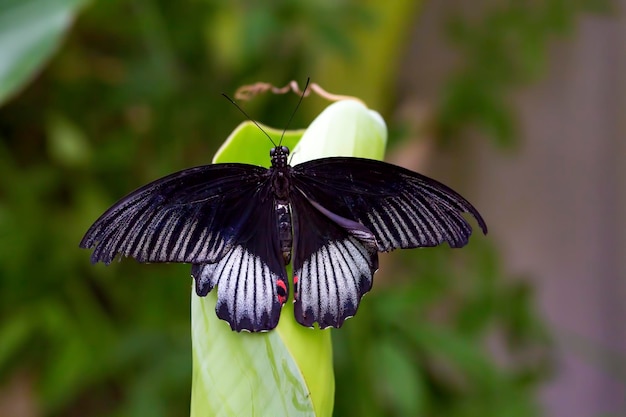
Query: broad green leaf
(30, 31)
(287, 371)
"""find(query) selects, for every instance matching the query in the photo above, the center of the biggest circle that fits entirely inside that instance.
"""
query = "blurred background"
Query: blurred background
(517, 105)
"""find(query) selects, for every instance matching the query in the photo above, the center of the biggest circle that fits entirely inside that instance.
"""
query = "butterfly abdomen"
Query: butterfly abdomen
(283, 217)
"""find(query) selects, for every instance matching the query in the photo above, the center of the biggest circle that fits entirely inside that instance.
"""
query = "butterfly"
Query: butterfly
(239, 225)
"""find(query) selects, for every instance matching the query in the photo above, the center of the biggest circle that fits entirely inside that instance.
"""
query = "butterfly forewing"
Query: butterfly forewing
(403, 209)
(190, 216)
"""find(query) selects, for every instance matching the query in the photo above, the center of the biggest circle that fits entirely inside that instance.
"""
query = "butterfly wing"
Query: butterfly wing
(251, 279)
(348, 209)
(402, 208)
(189, 216)
(211, 216)
(334, 260)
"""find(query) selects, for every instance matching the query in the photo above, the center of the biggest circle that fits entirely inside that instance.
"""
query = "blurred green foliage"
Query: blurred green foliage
(449, 336)
(132, 95)
(501, 49)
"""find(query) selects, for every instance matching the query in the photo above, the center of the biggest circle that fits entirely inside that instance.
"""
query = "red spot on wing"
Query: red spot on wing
(281, 289)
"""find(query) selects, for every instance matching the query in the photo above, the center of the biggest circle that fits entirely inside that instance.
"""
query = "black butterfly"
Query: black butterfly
(240, 224)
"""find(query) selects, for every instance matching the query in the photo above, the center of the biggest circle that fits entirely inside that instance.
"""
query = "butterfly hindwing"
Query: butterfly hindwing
(251, 278)
(189, 216)
(403, 209)
(334, 260)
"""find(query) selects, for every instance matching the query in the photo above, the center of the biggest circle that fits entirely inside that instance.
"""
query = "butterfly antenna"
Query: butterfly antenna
(291, 156)
(295, 110)
(251, 119)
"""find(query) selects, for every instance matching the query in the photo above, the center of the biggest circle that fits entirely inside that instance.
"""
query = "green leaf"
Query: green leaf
(248, 144)
(30, 31)
(287, 371)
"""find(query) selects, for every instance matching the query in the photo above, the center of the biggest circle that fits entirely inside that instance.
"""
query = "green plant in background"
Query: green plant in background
(132, 96)
(30, 33)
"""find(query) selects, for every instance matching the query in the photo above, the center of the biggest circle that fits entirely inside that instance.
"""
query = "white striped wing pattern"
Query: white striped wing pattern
(334, 260)
(190, 216)
(402, 208)
(251, 278)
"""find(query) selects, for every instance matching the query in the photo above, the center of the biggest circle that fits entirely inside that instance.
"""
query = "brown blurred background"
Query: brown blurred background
(557, 202)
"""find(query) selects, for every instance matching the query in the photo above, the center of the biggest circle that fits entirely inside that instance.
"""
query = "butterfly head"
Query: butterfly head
(279, 156)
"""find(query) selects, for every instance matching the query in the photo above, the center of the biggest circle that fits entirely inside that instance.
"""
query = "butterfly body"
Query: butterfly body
(239, 225)
(280, 172)
(283, 217)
